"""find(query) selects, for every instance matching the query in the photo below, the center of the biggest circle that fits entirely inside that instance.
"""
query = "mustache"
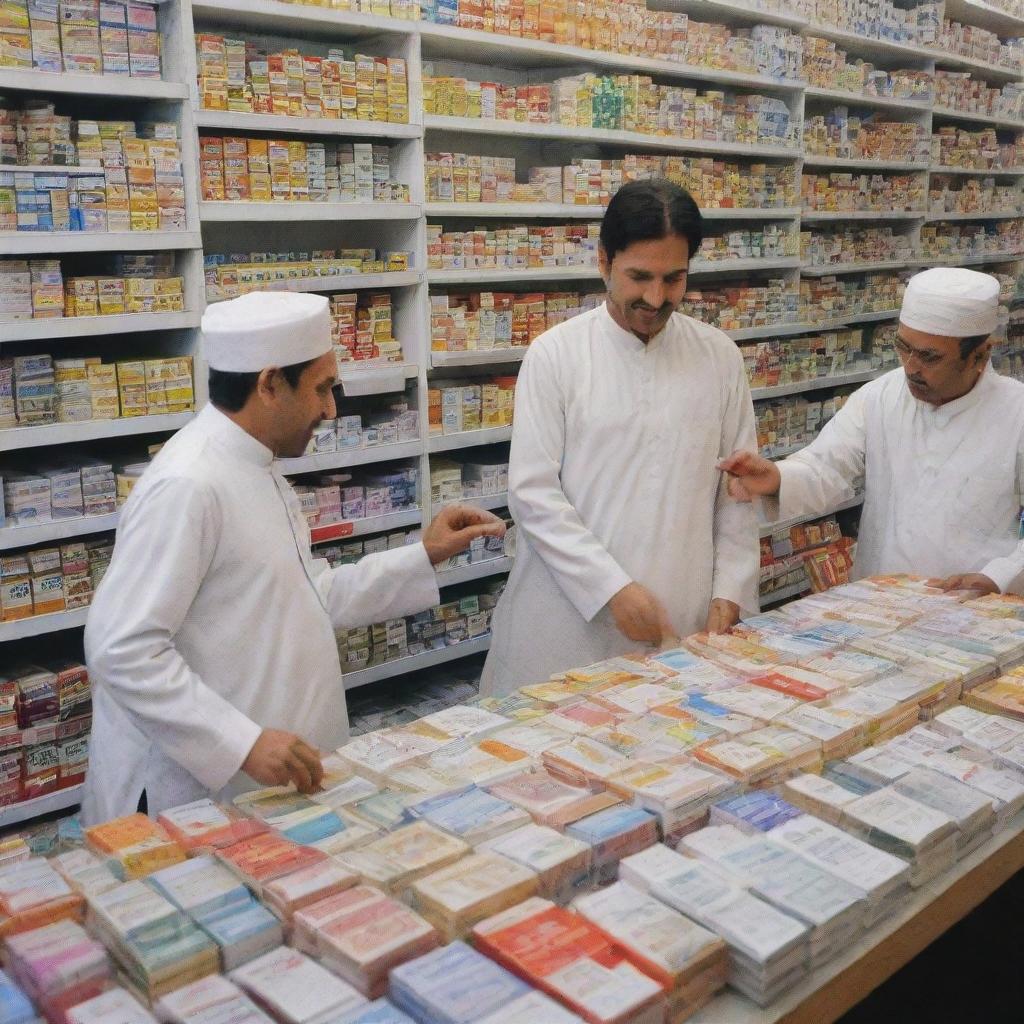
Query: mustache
(651, 309)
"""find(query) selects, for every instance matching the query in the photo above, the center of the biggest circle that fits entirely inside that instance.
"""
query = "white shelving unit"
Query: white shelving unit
(90, 430)
(12, 537)
(414, 662)
(361, 527)
(95, 326)
(232, 213)
(475, 571)
(62, 800)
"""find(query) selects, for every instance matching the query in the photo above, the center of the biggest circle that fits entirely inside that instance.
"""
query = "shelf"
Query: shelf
(748, 13)
(970, 261)
(516, 129)
(350, 457)
(703, 267)
(991, 215)
(345, 282)
(515, 210)
(362, 527)
(854, 268)
(768, 331)
(870, 318)
(819, 216)
(244, 122)
(475, 571)
(449, 42)
(957, 62)
(817, 384)
(91, 430)
(868, 46)
(814, 92)
(512, 274)
(398, 667)
(12, 537)
(92, 326)
(486, 501)
(232, 212)
(767, 529)
(27, 243)
(117, 87)
(993, 172)
(854, 163)
(785, 594)
(468, 439)
(983, 15)
(365, 377)
(950, 114)
(784, 453)
(62, 800)
(303, 21)
(478, 357)
(75, 171)
(39, 625)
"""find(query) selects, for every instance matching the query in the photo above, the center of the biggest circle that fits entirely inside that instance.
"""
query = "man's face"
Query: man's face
(298, 411)
(935, 372)
(645, 283)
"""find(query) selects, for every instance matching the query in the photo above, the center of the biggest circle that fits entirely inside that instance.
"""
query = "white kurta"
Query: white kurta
(214, 621)
(612, 479)
(942, 484)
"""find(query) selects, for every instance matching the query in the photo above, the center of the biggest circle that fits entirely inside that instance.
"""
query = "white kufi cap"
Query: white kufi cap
(951, 302)
(264, 329)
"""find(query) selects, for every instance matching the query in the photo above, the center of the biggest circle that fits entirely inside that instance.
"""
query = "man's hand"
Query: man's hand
(640, 616)
(455, 526)
(975, 582)
(278, 758)
(750, 476)
(722, 615)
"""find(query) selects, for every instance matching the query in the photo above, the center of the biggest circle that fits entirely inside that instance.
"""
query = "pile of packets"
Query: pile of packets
(37, 289)
(83, 37)
(454, 407)
(612, 845)
(787, 556)
(1004, 238)
(855, 245)
(954, 194)
(236, 75)
(513, 248)
(784, 424)
(741, 305)
(45, 717)
(361, 327)
(979, 150)
(36, 390)
(961, 92)
(384, 421)
(877, 19)
(118, 175)
(342, 497)
(772, 241)
(832, 298)
(261, 170)
(455, 480)
(462, 322)
(234, 274)
(43, 581)
(786, 361)
(845, 191)
(826, 66)
(980, 44)
(840, 133)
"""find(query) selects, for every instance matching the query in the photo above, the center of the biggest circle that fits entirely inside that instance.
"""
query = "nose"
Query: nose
(654, 295)
(330, 407)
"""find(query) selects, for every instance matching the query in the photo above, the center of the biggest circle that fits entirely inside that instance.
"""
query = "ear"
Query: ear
(604, 265)
(268, 383)
(982, 353)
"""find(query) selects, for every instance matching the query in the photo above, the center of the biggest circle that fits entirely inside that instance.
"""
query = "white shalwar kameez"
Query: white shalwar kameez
(943, 484)
(214, 621)
(612, 480)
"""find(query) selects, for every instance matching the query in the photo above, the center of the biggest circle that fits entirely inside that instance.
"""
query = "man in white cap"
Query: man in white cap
(939, 444)
(211, 640)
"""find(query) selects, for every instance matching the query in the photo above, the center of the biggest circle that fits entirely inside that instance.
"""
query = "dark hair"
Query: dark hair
(230, 391)
(642, 211)
(971, 344)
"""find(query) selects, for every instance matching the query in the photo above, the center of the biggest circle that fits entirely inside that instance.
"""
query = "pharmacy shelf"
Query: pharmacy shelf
(513, 274)
(568, 210)
(116, 87)
(769, 331)
(468, 439)
(784, 453)
(39, 625)
(343, 127)
(232, 212)
(857, 164)
(12, 537)
(699, 267)
(50, 169)
(62, 800)
(854, 268)
(478, 357)
(817, 384)
(362, 527)
(976, 215)
(957, 62)
(818, 216)
(345, 282)
(971, 261)
(716, 10)
(28, 243)
(91, 430)
(869, 318)
(767, 529)
(475, 571)
(813, 92)
(983, 15)
(92, 326)
(993, 172)
(399, 667)
(785, 594)
(351, 457)
(296, 19)
(367, 377)
(486, 501)
(448, 42)
(866, 46)
(951, 114)
(518, 130)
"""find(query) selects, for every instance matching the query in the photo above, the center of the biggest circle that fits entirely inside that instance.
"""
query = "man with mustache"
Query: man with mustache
(211, 639)
(939, 443)
(625, 531)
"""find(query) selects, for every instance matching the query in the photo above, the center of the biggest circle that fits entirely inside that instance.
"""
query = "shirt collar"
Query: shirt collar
(227, 433)
(628, 338)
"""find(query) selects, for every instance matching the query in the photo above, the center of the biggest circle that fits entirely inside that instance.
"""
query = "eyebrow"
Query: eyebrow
(649, 273)
(918, 351)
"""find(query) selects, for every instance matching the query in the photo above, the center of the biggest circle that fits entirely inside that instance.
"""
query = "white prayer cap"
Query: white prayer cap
(263, 329)
(951, 302)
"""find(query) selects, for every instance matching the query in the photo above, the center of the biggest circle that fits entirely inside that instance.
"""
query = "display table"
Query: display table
(826, 994)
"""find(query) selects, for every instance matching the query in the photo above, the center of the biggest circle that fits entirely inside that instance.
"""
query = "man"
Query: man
(940, 444)
(625, 531)
(211, 640)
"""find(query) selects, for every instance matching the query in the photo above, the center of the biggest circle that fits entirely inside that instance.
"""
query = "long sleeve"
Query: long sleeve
(584, 570)
(1008, 572)
(737, 552)
(165, 546)
(823, 474)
